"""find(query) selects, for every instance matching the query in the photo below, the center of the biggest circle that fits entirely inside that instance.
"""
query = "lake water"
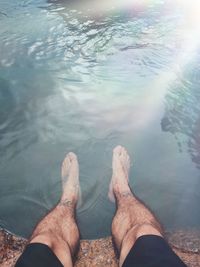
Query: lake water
(86, 78)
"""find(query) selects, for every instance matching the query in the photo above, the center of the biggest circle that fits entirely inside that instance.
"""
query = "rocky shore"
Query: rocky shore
(186, 243)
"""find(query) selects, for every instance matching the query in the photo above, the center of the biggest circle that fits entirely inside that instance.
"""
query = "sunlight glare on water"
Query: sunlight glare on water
(85, 78)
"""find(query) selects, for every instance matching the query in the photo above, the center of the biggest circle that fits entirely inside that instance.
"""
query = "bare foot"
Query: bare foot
(70, 178)
(121, 166)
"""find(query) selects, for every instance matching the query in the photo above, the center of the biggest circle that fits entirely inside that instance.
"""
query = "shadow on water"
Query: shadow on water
(182, 111)
(19, 113)
(7, 103)
(12, 121)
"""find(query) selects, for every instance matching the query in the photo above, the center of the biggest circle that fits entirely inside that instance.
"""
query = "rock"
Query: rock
(185, 240)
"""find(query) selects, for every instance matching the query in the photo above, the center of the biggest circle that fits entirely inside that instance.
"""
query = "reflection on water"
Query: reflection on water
(85, 81)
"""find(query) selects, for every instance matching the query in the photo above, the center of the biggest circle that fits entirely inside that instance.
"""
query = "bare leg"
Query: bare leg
(58, 229)
(132, 218)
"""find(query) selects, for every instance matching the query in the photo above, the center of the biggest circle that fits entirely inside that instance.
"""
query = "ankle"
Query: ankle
(122, 193)
(68, 202)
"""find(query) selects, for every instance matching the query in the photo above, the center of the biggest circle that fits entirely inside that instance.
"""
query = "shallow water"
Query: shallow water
(84, 79)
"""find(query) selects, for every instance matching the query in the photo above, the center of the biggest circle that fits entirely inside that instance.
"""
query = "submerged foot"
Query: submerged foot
(121, 166)
(70, 178)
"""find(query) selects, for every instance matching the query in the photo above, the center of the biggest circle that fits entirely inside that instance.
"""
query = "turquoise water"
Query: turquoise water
(85, 78)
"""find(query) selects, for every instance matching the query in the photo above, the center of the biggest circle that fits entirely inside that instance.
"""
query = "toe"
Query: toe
(117, 149)
(124, 153)
(66, 160)
(72, 156)
(123, 150)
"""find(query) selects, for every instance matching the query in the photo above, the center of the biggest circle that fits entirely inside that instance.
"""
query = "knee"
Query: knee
(57, 245)
(45, 237)
(147, 229)
(133, 234)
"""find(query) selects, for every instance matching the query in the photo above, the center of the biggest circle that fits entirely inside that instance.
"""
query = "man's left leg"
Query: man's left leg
(57, 234)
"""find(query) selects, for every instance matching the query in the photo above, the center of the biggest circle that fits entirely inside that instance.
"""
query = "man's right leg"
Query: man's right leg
(133, 220)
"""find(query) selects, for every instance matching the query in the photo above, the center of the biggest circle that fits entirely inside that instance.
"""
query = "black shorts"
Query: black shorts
(148, 251)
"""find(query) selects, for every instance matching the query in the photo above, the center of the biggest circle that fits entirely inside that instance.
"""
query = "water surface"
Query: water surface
(84, 78)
